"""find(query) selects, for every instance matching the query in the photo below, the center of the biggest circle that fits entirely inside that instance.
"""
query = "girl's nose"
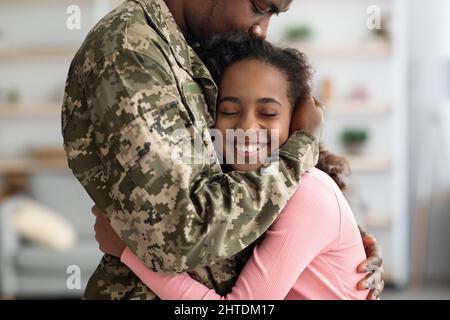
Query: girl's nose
(248, 122)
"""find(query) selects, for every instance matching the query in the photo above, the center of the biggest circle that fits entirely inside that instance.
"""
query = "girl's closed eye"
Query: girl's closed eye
(229, 106)
(268, 114)
(270, 107)
(228, 110)
(230, 113)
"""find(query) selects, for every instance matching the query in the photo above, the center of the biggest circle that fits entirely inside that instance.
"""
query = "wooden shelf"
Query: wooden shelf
(21, 111)
(30, 166)
(33, 53)
(356, 108)
(368, 163)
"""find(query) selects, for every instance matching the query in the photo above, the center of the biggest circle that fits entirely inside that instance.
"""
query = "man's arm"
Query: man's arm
(373, 266)
(177, 215)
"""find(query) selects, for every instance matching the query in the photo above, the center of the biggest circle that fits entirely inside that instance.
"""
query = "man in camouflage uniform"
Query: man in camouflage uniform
(132, 84)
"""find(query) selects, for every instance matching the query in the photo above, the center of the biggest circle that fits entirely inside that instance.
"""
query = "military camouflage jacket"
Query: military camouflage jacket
(131, 85)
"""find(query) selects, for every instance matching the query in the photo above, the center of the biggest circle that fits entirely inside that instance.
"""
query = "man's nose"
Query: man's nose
(260, 29)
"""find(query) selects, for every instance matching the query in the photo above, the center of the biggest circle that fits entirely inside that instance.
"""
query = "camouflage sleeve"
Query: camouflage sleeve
(178, 215)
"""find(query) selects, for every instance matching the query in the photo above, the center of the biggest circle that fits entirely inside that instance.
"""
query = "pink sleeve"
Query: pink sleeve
(307, 225)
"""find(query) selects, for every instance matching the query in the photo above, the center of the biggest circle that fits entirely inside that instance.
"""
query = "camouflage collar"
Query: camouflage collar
(164, 23)
(162, 20)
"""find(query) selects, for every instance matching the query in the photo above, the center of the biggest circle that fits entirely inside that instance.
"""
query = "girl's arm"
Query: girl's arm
(307, 225)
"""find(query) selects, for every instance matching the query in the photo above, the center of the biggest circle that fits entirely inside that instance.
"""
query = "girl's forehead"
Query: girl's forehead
(252, 73)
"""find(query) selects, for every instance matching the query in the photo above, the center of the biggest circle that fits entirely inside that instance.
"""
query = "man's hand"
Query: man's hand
(373, 266)
(308, 116)
(108, 240)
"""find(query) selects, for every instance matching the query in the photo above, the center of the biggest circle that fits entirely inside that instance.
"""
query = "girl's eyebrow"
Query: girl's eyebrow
(269, 100)
(229, 99)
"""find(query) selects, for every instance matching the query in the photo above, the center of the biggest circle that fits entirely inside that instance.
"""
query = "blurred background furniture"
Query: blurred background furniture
(34, 270)
(36, 48)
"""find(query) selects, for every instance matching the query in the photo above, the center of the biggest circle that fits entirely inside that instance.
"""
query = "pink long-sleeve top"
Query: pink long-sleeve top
(311, 251)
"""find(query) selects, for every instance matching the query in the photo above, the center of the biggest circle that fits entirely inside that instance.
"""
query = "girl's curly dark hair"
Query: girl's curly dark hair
(220, 52)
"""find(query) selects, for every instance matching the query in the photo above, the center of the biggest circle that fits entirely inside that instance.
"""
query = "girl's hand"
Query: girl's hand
(108, 240)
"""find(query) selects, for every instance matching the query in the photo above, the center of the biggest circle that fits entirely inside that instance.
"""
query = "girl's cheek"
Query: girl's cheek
(280, 133)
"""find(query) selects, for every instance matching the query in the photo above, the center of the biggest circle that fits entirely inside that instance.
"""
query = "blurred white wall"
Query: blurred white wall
(429, 91)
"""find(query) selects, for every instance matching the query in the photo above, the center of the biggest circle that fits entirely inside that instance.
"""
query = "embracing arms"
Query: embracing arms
(308, 224)
(176, 215)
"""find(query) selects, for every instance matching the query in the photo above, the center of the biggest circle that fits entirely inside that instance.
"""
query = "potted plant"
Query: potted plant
(298, 33)
(354, 140)
(12, 96)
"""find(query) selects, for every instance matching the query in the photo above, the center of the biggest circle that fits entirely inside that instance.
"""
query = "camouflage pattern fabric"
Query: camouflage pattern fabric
(131, 85)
